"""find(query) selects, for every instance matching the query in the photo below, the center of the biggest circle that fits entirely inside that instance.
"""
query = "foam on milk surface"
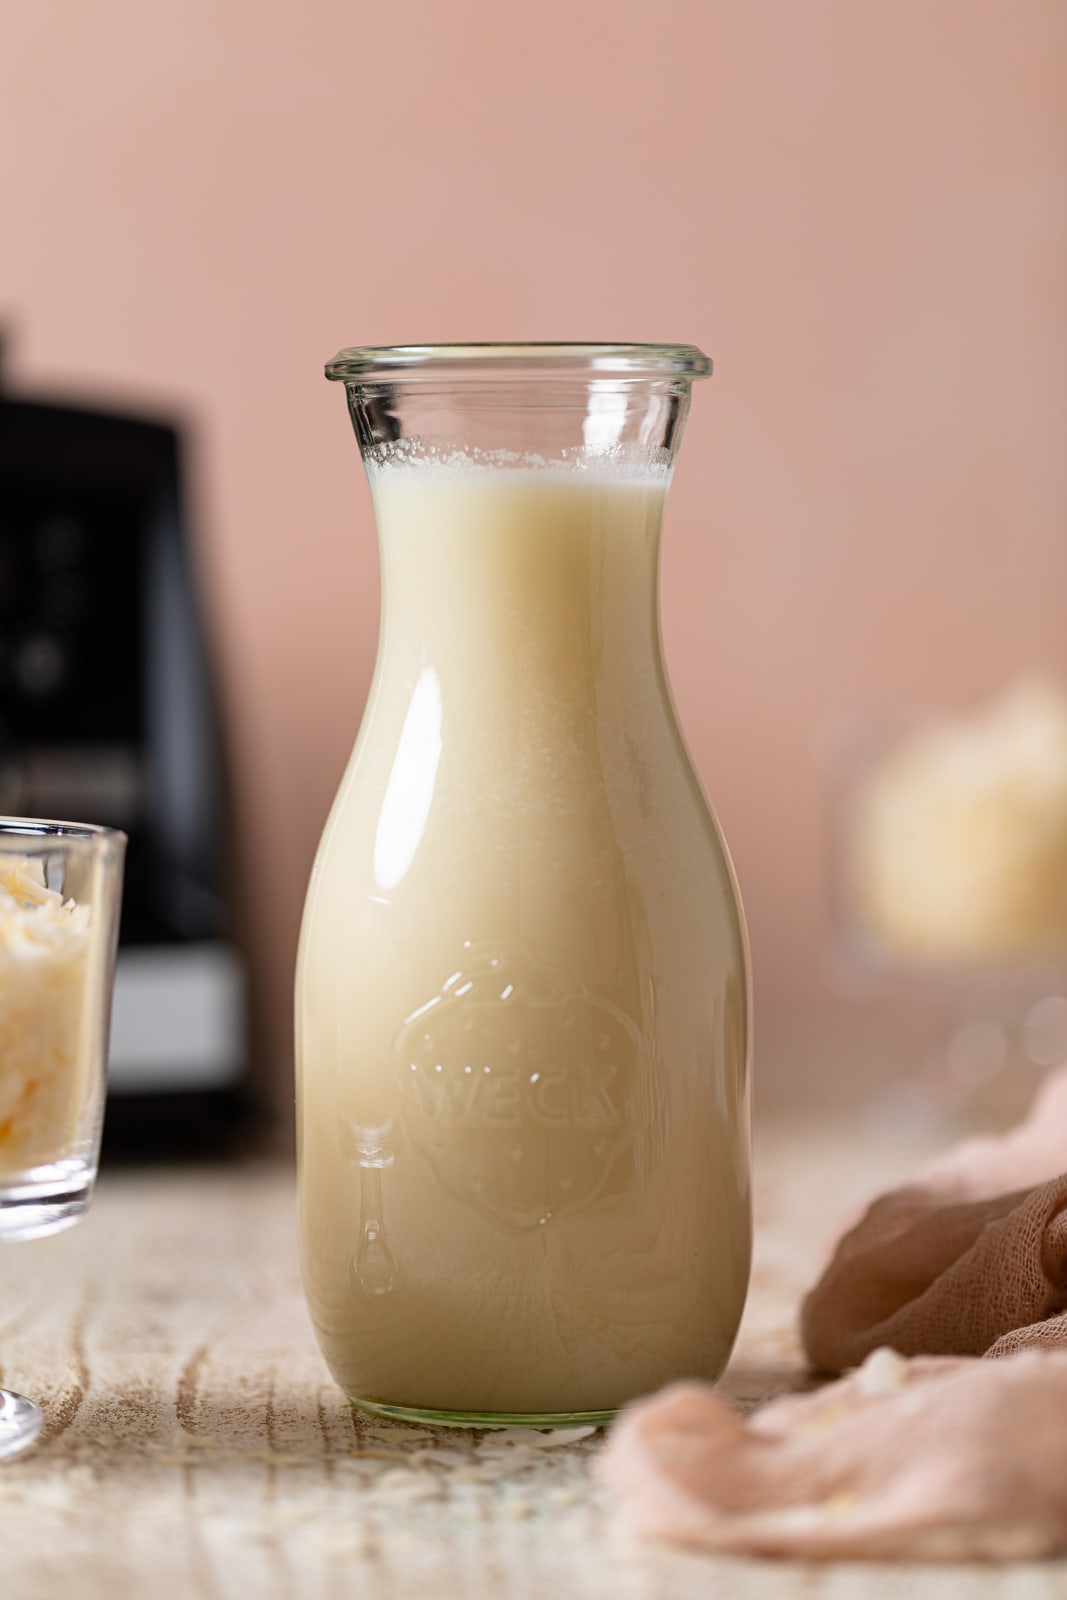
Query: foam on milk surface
(413, 461)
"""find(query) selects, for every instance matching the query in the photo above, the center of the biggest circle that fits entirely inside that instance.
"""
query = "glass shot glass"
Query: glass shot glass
(60, 898)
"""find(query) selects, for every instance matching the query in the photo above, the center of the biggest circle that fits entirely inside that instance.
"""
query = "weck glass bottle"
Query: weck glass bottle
(522, 992)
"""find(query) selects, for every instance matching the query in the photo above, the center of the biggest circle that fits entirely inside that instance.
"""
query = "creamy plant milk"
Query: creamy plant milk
(522, 1014)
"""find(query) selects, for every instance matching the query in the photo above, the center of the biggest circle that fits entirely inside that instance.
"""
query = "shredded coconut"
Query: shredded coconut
(44, 949)
(960, 847)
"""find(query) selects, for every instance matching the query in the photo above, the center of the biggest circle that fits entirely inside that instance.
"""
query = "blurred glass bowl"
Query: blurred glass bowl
(948, 858)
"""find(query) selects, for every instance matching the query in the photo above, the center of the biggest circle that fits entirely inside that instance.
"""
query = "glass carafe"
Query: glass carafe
(522, 989)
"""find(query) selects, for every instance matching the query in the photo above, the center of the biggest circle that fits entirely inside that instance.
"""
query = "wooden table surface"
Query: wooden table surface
(196, 1446)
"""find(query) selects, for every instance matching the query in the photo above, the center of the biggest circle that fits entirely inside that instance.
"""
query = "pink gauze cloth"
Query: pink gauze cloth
(967, 1258)
(938, 1458)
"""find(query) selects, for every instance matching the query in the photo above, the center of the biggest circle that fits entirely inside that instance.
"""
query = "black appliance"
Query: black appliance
(107, 715)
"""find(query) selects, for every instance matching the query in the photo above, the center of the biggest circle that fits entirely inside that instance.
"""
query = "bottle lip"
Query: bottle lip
(363, 363)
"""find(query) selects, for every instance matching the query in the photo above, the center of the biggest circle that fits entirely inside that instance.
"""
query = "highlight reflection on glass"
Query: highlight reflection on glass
(409, 791)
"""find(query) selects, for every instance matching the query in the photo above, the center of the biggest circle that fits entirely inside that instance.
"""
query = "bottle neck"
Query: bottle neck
(542, 575)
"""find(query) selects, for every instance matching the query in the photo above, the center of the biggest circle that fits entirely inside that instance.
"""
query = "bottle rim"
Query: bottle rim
(366, 363)
(32, 831)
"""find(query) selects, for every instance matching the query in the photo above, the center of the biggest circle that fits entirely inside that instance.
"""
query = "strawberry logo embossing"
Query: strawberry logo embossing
(516, 1084)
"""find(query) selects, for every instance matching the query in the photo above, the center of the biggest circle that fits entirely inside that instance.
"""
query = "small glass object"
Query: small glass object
(949, 879)
(522, 995)
(60, 895)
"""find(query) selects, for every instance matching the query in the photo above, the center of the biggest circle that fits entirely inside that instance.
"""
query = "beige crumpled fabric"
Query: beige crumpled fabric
(968, 1258)
(936, 1458)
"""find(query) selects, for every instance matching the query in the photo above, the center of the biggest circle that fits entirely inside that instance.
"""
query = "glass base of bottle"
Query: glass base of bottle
(423, 1415)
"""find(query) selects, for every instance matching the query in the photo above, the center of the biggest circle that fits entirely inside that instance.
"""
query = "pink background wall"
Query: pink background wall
(858, 209)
